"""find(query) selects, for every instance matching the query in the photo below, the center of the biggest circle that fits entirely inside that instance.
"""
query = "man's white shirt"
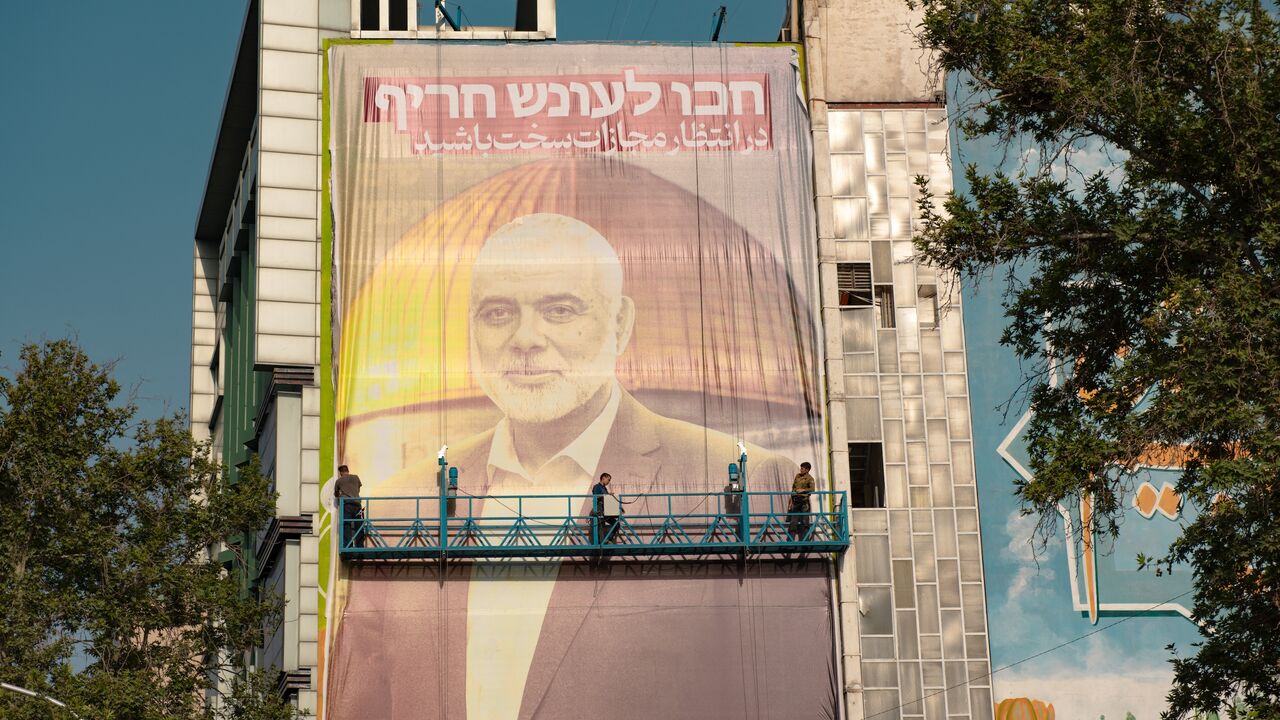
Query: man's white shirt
(505, 469)
(507, 602)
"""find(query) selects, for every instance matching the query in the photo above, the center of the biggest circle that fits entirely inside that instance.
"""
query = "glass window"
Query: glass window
(920, 497)
(977, 645)
(911, 694)
(952, 635)
(908, 641)
(882, 704)
(925, 569)
(913, 415)
(862, 362)
(845, 130)
(850, 217)
(958, 414)
(877, 615)
(931, 352)
(980, 698)
(930, 645)
(888, 351)
(879, 675)
(882, 261)
(945, 536)
(853, 281)
(900, 533)
(873, 143)
(369, 15)
(957, 689)
(903, 590)
(862, 416)
(872, 559)
(940, 482)
(848, 176)
(927, 303)
(939, 448)
(894, 452)
(970, 553)
(858, 330)
(398, 15)
(877, 647)
(862, 386)
(948, 584)
(866, 474)
(961, 466)
(935, 398)
(975, 616)
(895, 486)
(878, 197)
(884, 304)
(928, 595)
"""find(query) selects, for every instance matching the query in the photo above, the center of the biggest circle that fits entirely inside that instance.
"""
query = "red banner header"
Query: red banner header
(575, 113)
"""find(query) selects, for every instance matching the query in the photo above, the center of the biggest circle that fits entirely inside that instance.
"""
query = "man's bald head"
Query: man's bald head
(550, 242)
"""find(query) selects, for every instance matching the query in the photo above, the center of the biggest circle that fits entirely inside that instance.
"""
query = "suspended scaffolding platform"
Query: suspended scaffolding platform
(662, 525)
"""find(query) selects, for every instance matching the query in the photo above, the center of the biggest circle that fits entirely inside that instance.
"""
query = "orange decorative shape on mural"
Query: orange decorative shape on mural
(1170, 501)
(1024, 709)
(1146, 499)
(1167, 500)
(1090, 566)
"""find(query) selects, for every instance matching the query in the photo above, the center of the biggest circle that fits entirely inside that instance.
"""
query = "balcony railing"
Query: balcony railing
(565, 526)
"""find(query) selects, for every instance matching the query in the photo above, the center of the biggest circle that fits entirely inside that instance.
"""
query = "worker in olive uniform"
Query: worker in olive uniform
(801, 488)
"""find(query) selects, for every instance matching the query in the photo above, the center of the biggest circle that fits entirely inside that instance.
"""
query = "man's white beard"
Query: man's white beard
(553, 400)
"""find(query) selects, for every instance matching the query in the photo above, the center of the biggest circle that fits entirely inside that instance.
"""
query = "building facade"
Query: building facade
(908, 600)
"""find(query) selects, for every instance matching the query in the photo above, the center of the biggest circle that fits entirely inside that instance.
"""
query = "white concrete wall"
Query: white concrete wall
(868, 51)
(204, 337)
(289, 293)
(288, 250)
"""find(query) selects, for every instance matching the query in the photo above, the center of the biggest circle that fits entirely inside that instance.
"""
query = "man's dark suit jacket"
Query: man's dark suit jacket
(644, 452)
(676, 640)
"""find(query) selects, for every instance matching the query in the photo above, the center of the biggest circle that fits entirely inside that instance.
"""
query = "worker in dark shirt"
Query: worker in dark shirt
(347, 492)
(801, 488)
(607, 522)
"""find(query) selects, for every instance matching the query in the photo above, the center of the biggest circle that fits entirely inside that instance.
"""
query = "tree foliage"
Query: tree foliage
(110, 597)
(1162, 280)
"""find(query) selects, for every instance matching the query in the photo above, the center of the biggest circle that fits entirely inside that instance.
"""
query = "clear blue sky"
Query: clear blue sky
(108, 122)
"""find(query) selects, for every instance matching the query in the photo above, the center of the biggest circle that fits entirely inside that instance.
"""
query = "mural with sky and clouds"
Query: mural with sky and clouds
(1042, 595)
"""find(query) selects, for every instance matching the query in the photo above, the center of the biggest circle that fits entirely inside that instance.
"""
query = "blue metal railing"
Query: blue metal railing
(657, 524)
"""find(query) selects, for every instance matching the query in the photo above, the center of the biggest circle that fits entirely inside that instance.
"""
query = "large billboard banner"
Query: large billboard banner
(559, 261)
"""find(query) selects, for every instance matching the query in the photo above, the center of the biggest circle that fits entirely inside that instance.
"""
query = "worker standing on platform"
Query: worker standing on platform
(347, 491)
(598, 491)
(801, 488)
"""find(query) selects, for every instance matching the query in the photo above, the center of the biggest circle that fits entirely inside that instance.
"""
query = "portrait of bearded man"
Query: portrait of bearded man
(553, 308)
(548, 321)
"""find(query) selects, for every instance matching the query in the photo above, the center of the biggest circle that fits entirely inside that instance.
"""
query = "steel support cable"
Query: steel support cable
(701, 254)
(728, 189)
(442, 647)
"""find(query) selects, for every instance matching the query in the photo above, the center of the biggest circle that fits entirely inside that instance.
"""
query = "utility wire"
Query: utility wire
(1042, 653)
